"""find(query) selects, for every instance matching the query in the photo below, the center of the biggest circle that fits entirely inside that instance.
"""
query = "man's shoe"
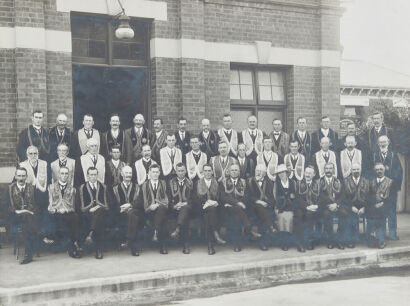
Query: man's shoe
(330, 246)
(381, 245)
(310, 247)
(211, 250)
(135, 251)
(237, 249)
(99, 254)
(284, 247)
(301, 249)
(218, 238)
(263, 247)
(27, 259)
(74, 254)
(350, 245)
(340, 246)
(163, 250)
(186, 249)
(88, 240)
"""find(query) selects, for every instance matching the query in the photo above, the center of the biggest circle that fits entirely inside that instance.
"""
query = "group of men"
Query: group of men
(278, 187)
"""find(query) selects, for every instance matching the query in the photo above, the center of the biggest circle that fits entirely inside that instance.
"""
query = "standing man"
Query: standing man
(394, 171)
(356, 197)
(379, 129)
(80, 137)
(280, 140)
(59, 134)
(350, 156)
(323, 157)
(170, 156)
(23, 211)
(93, 205)
(35, 135)
(246, 164)
(61, 208)
(87, 160)
(180, 197)
(182, 137)
(128, 204)
(159, 139)
(295, 162)
(331, 196)
(62, 161)
(325, 131)
(268, 158)
(142, 165)
(253, 138)
(222, 162)
(208, 140)
(155, 199)
(135, 138)
(113, 137)
(229, 135)
(113, 167)
(195, 161)
(352, 131)
(303, 138)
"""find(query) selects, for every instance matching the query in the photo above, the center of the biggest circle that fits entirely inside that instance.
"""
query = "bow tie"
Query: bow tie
(276, 133)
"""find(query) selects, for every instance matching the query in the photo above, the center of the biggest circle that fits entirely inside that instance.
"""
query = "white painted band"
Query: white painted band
(133, 8)
(241, 53)
(35, 38)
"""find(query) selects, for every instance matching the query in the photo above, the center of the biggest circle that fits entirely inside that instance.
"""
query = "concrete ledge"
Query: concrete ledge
(155, 287)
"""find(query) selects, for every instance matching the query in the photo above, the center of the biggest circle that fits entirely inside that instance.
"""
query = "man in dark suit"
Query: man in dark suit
(352, 131)
(246, 164)
(113, 167)
(208, 139)
(180, 197)
(113, 137)
(136, 137)
(34, 135)
(183, 137)
(303, 138)
(59, 134)
(158, 140)
(261, 202)
(280, 140)
(325, 131)
(378, 130)
(394, 171)
(93, 205)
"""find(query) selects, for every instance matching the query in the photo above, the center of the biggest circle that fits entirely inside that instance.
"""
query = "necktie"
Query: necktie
(38, 131)
(94, 158)
(63, 163)
(88, 133)
(62, 188)
(182, 136)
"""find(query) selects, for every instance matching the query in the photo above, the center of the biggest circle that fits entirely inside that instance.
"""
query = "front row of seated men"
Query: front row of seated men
(286, 211)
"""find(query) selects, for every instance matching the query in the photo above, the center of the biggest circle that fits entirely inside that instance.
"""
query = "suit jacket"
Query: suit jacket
(318, 135)
(203, 193)
(305, 145)
(81, 166)
(271, 164)
(19, 201)
(55, 170)
(356, 195)
(231, 194)
(122, 195)
(373, 136)
(62, 202)
(264, 192)
(332, 193)
(78, 145)
(149, 197)
(281, 145)
(168, 166)
(183, 145)
(157, 143)
(233, 141)
(285, 197)
(195, 169)
(346, 162)
(29, 137)
(113, 174)
(308, 194)
(108, 141)
(393, 166)
(177, 194)
(380, 193)
(250, 144)
(247, 170)
(87, 198)
(209, 145)
(140, 173)
(56, 139)
(319, 162)
(38, 180)
(133, 144)
(221, 171)
(296, 169)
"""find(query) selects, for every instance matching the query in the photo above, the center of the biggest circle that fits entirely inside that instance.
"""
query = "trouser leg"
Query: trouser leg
(183, 222)
(392, 216)
(160, 219)
(211, 221)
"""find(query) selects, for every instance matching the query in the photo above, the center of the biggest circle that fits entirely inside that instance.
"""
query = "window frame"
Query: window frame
(257, 105)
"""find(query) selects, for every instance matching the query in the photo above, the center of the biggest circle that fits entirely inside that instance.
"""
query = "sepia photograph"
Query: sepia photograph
(204, 152)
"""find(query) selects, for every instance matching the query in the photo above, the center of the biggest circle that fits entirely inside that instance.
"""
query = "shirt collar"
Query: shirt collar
(21, 187)
(227, 131)
(325, 131)
(115, 162)
(61, 183)
(146, 160)
(379, 180)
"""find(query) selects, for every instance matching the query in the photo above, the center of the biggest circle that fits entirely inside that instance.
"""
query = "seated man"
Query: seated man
(356, 193)
(113, 167)
(331, 195)
(308, 196)
(154, 194)
(180, 196)
(61, 195)
(23, 211)
(208, 195)
(127, 203)
(381, 197)
(62, 161)
(233, 192)
(93, 205)
(261, 201)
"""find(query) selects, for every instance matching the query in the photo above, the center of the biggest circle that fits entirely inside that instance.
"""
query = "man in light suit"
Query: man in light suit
(78, 145)
(62, 161)
(303, 138)
(229, 135)
(252, 137)
(141, 166)
(170, 156)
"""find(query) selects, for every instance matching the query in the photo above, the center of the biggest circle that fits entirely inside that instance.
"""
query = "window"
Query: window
(260, 92)
(94, 42)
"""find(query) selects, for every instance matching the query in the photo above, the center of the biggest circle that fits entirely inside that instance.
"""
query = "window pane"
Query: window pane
(239, 118)
(137, 51)
(235, 92)
(276, 78)
(98, 30)
(278, 94)
(246, 92)
(121, 51)
(96, 49)
(234, 77)
(79, 28)
(265, 118)
(80, 47)
(265, 93)
(246, 77)
(263, 78)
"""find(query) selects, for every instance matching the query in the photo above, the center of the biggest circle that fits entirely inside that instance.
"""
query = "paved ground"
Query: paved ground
(375, 291)
(51, 267)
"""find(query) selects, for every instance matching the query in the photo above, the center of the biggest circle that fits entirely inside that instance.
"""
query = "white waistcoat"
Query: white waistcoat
(299, 170)
(346, 163)
(233, 144)
(39, 181)
(271, 166)
(86, 162)
(193, 168)
(166, 163)
(320, 161)
(247, 140)
(55, 170)
(141, 172)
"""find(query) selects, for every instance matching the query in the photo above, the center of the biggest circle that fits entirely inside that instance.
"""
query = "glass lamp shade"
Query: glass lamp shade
(124, 30)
